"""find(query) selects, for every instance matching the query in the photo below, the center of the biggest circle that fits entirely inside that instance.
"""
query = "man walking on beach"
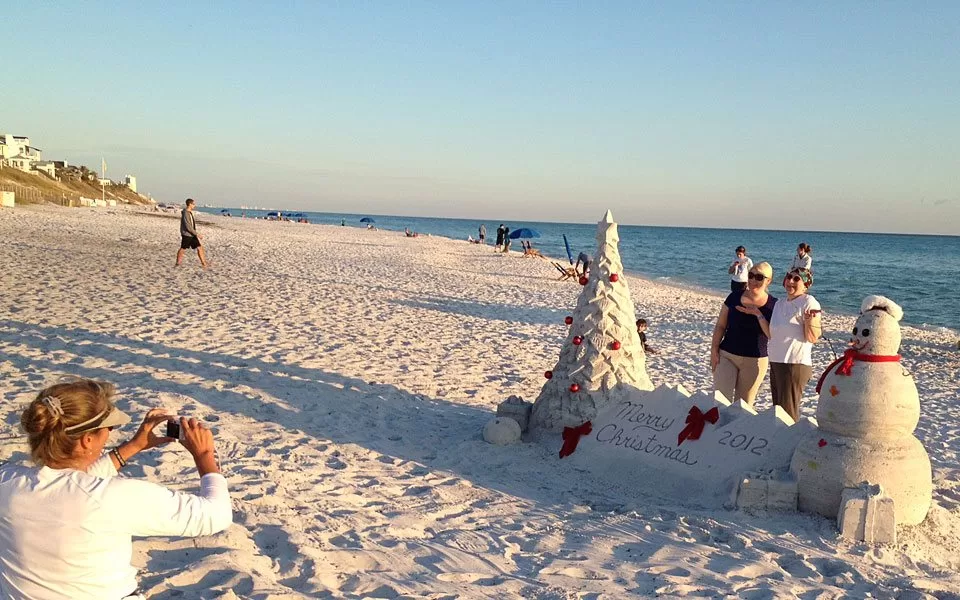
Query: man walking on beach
(483, 233)
(189, 237)
(499, 245)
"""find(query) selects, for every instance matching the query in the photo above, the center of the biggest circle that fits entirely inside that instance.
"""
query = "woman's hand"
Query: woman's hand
(145, 438)
(198, 440)
(750, 310)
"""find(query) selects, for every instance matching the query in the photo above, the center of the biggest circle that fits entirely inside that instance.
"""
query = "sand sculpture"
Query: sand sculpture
(602, 355)
(867, 412)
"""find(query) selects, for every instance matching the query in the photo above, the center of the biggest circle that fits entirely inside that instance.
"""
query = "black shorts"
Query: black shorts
(188, 241)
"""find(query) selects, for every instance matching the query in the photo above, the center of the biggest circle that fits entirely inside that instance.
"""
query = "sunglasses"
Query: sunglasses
(794, 278)
(756, 276)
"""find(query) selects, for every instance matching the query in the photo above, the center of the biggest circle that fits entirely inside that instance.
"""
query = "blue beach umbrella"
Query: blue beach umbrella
(525, 233)
(567, 244)
(367, 220)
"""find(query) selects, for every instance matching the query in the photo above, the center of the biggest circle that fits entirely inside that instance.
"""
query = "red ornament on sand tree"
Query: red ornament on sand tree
(548, 374)
(574, 387)
(584, 281)
(577, 340)
(614, 277)
(568, 320)
(615, 345)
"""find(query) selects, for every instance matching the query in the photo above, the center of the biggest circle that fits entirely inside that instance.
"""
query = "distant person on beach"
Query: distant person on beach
(738, 270)
(582, 265)
(794, 328)
(67, 523)
(189, 237)
(802, 260)
(506, 239)
(642, 332)
(738, 350)
(500, 235)
(483, 233)
(343, 222)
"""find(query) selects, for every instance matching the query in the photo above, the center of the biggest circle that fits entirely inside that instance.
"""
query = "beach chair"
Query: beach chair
(566, 272)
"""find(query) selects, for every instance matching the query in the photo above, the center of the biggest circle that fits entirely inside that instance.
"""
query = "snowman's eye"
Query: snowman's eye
(854, 331)
(865, 332)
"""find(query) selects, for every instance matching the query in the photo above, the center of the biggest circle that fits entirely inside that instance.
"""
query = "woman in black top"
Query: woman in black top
(738, 352)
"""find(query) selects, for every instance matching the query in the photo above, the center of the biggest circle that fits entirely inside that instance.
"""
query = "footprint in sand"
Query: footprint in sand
(471, 578)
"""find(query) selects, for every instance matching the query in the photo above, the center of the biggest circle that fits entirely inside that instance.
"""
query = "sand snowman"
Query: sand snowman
(867, 412)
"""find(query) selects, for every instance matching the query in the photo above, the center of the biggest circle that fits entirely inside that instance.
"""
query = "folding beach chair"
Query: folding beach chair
(566, 272)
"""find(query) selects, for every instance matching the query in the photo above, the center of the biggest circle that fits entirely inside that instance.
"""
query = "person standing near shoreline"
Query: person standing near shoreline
(500, 235)
(802, 260)
(189, 236)
(483, 233)
(739, 269)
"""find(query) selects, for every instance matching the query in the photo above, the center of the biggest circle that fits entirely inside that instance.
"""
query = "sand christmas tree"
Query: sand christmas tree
(602, 353)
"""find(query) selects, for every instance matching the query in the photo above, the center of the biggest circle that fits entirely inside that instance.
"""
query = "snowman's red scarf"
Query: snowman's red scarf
(846, 363)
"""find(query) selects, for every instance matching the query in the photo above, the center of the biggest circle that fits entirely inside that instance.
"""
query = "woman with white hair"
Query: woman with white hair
(66, 524)
(738, 351)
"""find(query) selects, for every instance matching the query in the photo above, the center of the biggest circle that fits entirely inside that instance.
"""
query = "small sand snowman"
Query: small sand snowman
(867, 412)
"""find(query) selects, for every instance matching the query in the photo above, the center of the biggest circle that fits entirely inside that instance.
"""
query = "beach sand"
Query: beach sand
(347, 375)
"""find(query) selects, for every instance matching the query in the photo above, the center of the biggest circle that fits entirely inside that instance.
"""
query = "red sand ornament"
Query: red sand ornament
(548, 374)
(568, 320)
(584, 281)
(614, 277)
(571, 437)
(577, 340)
(574, 387)
(696, 419)
(822, 442)
(615, 345)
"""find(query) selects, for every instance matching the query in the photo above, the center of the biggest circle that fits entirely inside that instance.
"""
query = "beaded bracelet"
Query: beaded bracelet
(116, 453)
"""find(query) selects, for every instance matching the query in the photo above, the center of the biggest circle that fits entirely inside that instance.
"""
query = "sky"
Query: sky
(840, 116)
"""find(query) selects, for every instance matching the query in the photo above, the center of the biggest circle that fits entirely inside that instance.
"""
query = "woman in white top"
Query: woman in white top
(794, 328)
(802, 260)
(66, 524)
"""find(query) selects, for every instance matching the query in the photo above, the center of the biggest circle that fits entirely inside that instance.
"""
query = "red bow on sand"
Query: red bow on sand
(850, 355)
(696, 419)
(571, 437)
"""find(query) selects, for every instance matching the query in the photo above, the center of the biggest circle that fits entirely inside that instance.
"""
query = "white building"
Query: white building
(131, 183)
(16, 151)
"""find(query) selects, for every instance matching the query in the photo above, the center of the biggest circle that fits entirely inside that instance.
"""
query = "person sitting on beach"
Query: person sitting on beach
(529, 250)
(409, 233)
(738, 351)
(66, 524)
(642, 332)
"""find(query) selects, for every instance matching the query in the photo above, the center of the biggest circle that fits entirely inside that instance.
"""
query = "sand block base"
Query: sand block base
(766, 491)
(516, 408)
(866, 515)
(6, 199)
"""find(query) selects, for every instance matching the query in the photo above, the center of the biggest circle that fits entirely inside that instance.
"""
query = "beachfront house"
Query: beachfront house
(131, 182)
(16, 152)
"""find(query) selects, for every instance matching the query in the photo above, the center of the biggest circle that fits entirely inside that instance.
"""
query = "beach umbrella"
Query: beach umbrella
(524, 233)
(567, 244)
(367, 220)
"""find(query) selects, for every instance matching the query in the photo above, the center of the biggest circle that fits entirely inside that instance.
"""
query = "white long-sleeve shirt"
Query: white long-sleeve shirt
(66, 534)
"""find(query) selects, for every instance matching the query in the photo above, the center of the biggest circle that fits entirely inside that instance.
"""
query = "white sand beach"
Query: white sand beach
(347, 375)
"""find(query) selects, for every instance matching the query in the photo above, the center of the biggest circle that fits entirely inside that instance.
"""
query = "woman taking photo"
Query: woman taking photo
(738, 351)
(794, 328)
(66, 524)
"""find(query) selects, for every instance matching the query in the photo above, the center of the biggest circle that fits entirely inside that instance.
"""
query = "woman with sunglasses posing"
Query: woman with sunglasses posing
(66, 524)
(794, 328)
(738, 351)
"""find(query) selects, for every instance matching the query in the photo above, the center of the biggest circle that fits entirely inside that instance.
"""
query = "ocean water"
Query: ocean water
(916, 271)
